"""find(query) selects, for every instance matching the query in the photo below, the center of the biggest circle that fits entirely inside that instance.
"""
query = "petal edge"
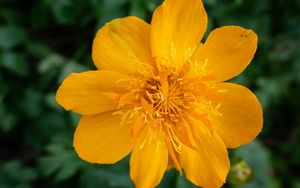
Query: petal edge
(242, 114)
(102, 139)
(122, 45)
(227, 52)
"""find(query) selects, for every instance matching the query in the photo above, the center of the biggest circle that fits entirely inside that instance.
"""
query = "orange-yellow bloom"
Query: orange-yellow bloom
(161, 94)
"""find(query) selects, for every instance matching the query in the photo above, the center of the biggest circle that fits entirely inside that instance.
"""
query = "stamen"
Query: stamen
(168, 101)
(174, 140)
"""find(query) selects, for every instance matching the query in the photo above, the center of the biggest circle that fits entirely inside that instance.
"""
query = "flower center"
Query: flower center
(164, 98)
(170, 102)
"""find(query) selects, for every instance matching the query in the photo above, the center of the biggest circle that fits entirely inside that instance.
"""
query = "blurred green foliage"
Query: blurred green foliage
(42, 41)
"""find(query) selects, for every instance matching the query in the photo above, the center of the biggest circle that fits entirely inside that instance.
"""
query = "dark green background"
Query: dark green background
(42, 41)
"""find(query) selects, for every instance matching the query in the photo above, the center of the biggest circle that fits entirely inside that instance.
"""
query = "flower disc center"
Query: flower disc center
(165, 98)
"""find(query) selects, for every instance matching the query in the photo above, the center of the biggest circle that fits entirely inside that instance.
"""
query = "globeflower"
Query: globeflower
(161, 95)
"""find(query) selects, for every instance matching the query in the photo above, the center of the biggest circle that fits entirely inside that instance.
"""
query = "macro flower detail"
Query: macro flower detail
(161, 94)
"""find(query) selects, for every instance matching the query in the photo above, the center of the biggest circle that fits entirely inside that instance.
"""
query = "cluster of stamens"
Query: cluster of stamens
(165, 106)
(171, 102)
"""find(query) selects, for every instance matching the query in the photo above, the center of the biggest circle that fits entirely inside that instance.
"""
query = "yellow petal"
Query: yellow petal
(208, 164)
(185, 133)
(242, 116)
(91, 92)
(149, 159)
(102, 138)
(172, 155)
(122, 45)
(226, 53)
(177, 27)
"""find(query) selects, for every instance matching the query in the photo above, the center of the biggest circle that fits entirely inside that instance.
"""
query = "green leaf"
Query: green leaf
(182, 182)
(52, 163)
(111, 10)
(13, 174)
(6, 121)
(258, 159)
(11, 36)
(68, 12)
(15, 62)
(51, 102)
(38, 49)
(70, 67)
(49, 68)
(104, 177)
(50, 63)
(74, 118)
(62, 162)
(138, 9)
(31, 104)
(71, 166)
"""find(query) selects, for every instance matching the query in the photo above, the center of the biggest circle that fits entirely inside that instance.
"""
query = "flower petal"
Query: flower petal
(242, 115)
(177, 26)
(208, 164)
(91, 92)
(102, 138)
(149, 159)
(227, 52)
(122, 45)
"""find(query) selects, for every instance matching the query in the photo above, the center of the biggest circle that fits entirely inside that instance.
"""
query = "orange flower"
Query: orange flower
(160, 94)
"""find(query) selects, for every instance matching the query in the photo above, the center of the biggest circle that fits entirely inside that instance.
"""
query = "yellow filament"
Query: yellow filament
(169, 102)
